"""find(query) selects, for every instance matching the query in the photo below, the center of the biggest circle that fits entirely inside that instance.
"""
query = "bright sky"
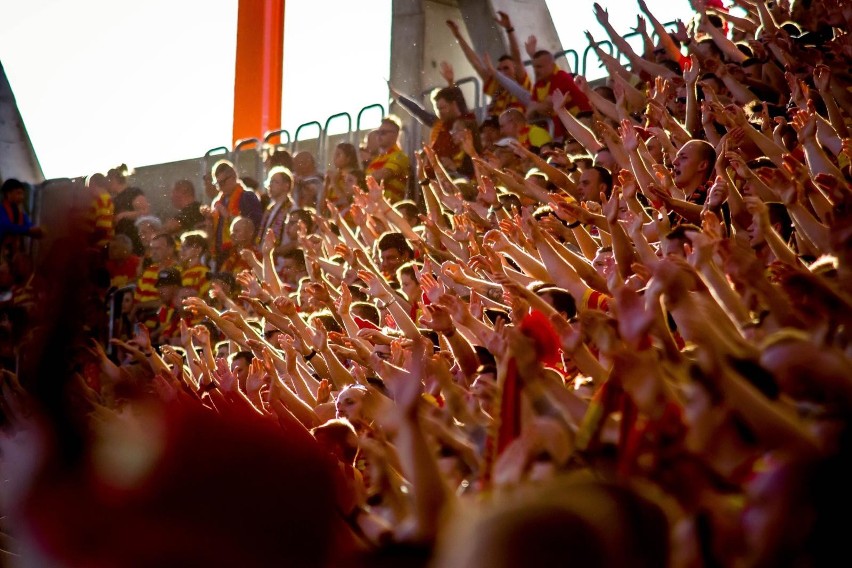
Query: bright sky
(104, 82)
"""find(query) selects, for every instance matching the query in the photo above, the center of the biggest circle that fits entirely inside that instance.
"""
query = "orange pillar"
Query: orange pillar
(259, 68)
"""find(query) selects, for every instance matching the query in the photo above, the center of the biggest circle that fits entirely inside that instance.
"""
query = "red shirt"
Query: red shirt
(575, 100)
(123, 272)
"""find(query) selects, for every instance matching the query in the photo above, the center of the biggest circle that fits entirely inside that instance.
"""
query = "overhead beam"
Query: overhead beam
(259, 68)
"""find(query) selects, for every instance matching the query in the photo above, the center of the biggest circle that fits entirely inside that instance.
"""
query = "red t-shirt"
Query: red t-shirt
(575, 100)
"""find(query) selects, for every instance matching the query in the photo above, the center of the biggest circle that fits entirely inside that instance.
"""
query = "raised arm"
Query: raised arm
(414, 108)
(575, 128)
(665, 39)
(468, 51)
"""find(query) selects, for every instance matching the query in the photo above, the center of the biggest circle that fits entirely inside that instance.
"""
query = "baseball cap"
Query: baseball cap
(168, 277)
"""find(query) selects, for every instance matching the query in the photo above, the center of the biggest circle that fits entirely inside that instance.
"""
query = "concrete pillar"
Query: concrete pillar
(408, 37)
(420, 40)
(485, 35)
(529, 17)
(17, 157)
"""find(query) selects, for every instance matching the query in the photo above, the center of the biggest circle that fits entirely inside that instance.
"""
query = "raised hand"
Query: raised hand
(681, 34)
(437, 318)
(717, 194)
(610, 208)
(288, 344)
(806, 125)
(285, 306)
(250, 285)
(455, 308)
(634, 320)
(628, 184)
(640, 25)
(487, 191)
(142, 338)
(172, 357)
(256, 378)
(822, 78)
(601, 15)
(446, 71)
(223, 375)
(628, 136)
(571, 212)
(738, 163)
(633, 223)
(531, 46)
(323, 391)
(836, 190)
(662, 90)
(319, 336)
(658, 195)
(701, 252)
(496, 240)
(268, 242)
(503, 20)
(454, 28)
(484, 263)
(758, 210)
(675, 277)
(692, 71)
(475, 305)
(455, 272)
(708, 117)
(344, 302)
(431, 287)
(374, 286)
(201, 335)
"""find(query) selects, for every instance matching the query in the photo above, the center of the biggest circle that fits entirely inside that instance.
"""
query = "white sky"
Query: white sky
(102, 82)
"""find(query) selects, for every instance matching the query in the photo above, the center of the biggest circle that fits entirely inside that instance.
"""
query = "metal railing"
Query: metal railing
(323, 145)
(576, 62)
(564, 53)
(204, 163)
(302, 127)
(273, 133)
(361, 112)
(258, 148)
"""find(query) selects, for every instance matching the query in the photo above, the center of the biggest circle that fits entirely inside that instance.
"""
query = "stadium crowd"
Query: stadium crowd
(612, 328)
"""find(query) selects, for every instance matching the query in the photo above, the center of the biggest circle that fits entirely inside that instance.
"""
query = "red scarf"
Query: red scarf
(14, 213)
(233, 209)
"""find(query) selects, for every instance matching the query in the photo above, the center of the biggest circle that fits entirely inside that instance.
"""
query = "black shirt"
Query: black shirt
(190, 216)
